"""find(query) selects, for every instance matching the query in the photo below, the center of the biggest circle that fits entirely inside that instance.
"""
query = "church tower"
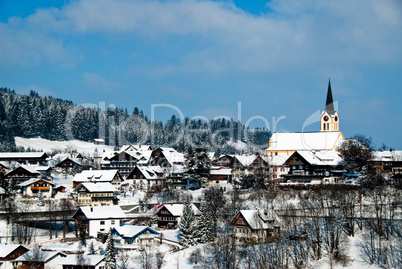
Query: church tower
(329, 117)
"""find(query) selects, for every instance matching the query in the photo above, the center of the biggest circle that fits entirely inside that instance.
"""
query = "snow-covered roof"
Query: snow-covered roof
(103, 212)
(14, 155)
(33, 180)
(27, 168)
(174, 157)
(258, 218)
(322, 157)
(177, 209)
(245, 160)
(132, 231)
(42, 256)
(6, 249)
(95, 175)
(99, 187)
(148, 172)
(305, 141)
(89, 260)
(394, 155)
(221, 171)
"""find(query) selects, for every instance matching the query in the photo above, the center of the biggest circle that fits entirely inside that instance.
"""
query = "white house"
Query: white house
(98, 220)
(134, 234)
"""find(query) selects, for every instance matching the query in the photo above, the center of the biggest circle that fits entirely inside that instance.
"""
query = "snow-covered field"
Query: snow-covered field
(45, 145)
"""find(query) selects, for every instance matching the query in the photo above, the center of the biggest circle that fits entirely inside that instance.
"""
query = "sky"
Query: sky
(266, 63)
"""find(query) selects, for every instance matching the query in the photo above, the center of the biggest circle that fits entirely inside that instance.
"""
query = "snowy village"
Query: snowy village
(200, 134)
(312, 199)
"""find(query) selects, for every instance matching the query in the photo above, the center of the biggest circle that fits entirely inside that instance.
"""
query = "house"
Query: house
(40, 184)
(329, 138)
(169, 215)
(38, 158)
(9, 252)
(166, 157)
(255, 226)
(97, 220)
(103, 176)
(223, 161)
(22, 173)
(389, 161)
(145, 177)
(96, 194)
(36, 258)
(76, 261)
(314, 167)
(70, 164)
(127, 159)
(133, 234)
(220, 175)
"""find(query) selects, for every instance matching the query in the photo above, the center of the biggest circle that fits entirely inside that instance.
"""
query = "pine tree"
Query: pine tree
(91, 249)
(205, 226)
(110, 255)
(187, 226)
(197, 164)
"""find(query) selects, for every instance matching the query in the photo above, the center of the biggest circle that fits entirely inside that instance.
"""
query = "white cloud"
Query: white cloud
(216, 36)
(96, 81)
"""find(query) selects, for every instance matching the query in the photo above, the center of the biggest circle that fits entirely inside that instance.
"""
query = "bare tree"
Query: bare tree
(123, 259)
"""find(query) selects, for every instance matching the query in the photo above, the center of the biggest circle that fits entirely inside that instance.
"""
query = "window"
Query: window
(112, 222)
(102, 222)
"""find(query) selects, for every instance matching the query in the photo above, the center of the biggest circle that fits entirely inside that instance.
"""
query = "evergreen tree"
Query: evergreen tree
(205, 226)
(188, 226)
(91, 249)
(110, 255)
(197, 164)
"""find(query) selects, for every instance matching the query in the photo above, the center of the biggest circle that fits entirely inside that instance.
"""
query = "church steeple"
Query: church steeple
(329, 105)
(329, 117)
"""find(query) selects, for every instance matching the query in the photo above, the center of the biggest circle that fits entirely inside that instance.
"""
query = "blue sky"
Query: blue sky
(204, 58)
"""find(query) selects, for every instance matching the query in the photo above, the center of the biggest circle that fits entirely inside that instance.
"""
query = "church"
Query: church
(327, 139)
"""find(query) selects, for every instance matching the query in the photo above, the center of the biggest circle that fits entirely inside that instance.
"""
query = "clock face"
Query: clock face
(336, 118)
(326, 118)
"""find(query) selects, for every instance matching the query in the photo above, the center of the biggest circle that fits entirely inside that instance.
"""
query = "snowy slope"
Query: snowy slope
(48, 145)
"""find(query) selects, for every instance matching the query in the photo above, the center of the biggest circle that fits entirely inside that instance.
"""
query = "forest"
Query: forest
(56, 119)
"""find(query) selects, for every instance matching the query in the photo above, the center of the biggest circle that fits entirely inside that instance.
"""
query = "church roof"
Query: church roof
(318, 141)
(329, 105)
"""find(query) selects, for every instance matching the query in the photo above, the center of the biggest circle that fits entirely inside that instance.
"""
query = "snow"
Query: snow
(99, 187)
(103, 212)
(6, 249)
(305, 141)
(49, 145)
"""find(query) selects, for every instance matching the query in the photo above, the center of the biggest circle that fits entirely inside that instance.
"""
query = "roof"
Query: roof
(43, 256)
(132, 231)
(332, 158)
(257, 219)
(33, 180)
(329, 104)
(27, 168)
(22, 155)
(245, 160)
(394, 155)
(177, 209)
(173, 157)
(95, 175)
(91, 260)
(99, 187)
(305, 141)
(221, 171)
(102, 212)
(7, 249)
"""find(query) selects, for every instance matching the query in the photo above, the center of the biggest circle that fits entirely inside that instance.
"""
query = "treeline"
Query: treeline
(57, 119)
